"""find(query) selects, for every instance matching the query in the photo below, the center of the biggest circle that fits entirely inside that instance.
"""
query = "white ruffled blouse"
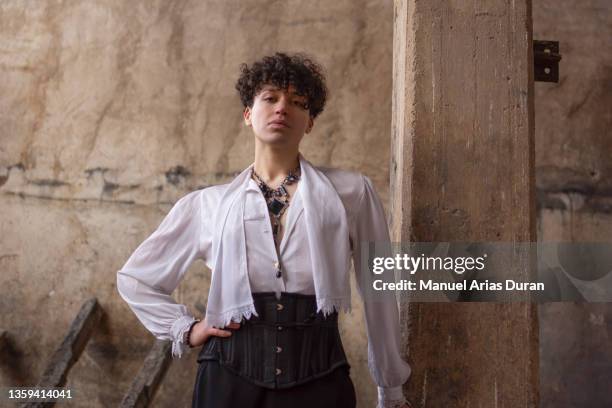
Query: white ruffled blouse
(157, 266)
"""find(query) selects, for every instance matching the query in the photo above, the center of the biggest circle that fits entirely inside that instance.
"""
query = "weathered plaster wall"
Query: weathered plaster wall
(574, 181)
(110, 111)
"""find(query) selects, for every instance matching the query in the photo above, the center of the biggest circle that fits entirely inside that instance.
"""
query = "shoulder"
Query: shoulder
(350, 185)
(212, 194)
(203, 199)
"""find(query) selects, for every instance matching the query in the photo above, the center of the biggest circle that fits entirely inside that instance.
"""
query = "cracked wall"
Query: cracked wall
(574, 180)
(110, 111)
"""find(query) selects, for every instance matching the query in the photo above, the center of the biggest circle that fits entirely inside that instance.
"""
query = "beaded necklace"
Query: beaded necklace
(277, 199)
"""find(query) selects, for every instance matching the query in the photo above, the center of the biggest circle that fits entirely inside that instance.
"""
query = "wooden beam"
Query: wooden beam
(151, 374)
(462, 170)
(68, 352)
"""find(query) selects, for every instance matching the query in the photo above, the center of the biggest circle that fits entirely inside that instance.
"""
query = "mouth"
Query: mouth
(278, 124)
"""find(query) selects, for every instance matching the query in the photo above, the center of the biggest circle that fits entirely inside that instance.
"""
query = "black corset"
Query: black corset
(288, 344)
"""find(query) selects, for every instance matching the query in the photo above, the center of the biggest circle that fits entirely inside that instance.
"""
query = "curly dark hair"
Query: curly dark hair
(282, 70)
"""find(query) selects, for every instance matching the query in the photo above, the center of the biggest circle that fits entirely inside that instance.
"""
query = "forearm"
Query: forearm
(156, 310)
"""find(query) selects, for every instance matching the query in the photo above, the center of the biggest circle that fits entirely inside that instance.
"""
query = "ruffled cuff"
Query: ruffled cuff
(390, 397)
(178, 330)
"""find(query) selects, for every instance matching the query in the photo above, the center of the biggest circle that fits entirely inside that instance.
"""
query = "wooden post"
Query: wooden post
(149, 378)
(462, 170)
(68, 352)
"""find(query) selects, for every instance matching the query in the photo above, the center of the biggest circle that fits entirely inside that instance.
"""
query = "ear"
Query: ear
(247, 116)
(310, 125)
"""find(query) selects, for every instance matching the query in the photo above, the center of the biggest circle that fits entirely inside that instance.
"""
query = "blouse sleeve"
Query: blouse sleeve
(386, 365)
(157, 266)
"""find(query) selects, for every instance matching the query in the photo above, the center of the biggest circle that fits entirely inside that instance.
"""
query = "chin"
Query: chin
(277, 139)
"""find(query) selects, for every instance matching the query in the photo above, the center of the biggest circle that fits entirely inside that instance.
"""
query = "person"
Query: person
(279, 240)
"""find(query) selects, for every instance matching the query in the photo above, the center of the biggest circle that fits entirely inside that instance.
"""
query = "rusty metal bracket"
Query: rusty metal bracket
(546, 59)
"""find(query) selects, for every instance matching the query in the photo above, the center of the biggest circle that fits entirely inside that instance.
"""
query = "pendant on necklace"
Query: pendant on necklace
(276, 206)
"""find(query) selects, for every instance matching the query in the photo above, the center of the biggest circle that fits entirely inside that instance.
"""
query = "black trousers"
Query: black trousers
(217, 387)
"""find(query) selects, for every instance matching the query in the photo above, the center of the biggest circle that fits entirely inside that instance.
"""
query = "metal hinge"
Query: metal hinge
(546, 59)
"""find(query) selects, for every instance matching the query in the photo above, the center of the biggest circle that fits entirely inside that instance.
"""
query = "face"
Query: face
(279, 116)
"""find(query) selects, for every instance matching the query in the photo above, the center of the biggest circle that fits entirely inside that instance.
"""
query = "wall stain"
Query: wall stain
(177, 174)
(48, 183)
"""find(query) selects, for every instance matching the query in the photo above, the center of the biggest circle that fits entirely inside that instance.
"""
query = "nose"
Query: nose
(281, 106)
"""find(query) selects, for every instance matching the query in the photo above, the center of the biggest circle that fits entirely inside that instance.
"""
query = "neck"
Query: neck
(273, 165)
